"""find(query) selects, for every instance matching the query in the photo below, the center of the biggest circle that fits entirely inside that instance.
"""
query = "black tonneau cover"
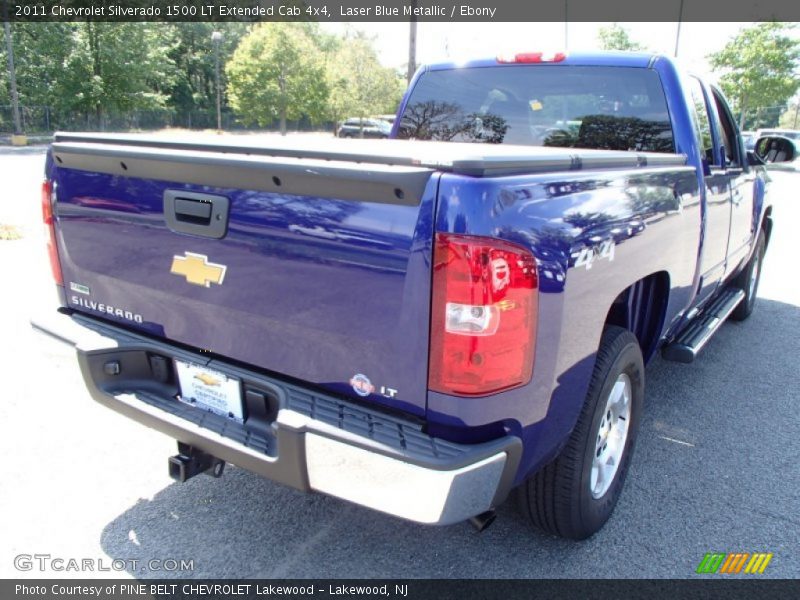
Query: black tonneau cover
(477, 160)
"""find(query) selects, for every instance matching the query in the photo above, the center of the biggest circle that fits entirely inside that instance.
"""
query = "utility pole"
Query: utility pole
(12, 74)
(566, 25)
(678, 33)
(796, 110)
(216, 37)
(412, 46)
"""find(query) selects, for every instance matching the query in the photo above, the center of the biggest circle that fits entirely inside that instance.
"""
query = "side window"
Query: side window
(701, 121)
(728, 130)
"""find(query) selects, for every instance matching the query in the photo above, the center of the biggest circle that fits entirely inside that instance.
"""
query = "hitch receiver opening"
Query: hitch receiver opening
(190, 462)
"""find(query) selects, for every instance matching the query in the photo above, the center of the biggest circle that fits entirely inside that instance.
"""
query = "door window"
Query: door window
(728, 130)
(702, 123)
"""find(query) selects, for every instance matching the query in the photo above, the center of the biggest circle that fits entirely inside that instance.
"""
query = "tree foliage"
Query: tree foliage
(4, 99)
(97, 75)
(616, 37)
(277, 73)
(119, 66)
(759, 68)
(790, 119)
(40, 82)
(194, 86)
(358, 85)
(92, 68)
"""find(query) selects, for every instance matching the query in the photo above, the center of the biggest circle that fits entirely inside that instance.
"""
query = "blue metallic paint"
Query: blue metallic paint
(653, 218)
(352, 287)
(574, 302)
(316, 288)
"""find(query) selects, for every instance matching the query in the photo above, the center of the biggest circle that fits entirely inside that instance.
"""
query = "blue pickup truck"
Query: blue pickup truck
(419, 325)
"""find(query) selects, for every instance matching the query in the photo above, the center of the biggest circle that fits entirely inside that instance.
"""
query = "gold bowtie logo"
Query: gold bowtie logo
(207, 379)
(197, 269)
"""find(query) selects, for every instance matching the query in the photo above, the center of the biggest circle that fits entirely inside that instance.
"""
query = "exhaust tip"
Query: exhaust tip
(482, 521)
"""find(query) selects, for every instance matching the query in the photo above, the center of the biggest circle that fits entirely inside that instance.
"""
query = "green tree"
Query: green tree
(39, 81)
(359, 86)
(277, 73)
(758, 67)
(91, 69)
(790, 119)
(4, 99)
(194, 87)
(105, 68)
(616, 37)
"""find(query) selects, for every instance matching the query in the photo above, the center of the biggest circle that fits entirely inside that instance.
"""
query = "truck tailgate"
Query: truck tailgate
(314, 269)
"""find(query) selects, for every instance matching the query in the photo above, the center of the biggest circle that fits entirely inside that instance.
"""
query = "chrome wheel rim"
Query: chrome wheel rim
(751, 287)
(611, 437)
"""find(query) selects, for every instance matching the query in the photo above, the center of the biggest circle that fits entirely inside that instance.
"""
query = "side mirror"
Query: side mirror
(775, 149)
(753, 159)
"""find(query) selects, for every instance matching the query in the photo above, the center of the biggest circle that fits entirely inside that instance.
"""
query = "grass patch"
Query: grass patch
(10, 232)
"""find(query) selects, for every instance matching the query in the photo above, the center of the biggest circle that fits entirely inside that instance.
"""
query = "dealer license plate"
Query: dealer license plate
(210, 390)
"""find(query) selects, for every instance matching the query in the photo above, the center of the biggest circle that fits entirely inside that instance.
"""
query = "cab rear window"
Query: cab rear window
(612, 108)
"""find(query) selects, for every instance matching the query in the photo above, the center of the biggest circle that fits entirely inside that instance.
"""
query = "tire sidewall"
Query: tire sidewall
(742, 281)
(596, 511)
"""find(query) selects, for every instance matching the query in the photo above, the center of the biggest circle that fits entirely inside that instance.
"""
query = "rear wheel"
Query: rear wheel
(575, 495)
(748, 280)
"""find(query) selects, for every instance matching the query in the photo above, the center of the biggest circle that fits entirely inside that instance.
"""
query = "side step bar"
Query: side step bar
(691, 340)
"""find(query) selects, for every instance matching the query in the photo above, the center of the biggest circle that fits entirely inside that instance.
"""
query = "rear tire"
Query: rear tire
(748, 280)
(574, 495)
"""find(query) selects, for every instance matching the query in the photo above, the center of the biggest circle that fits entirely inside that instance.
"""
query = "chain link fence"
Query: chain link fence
(43, 120)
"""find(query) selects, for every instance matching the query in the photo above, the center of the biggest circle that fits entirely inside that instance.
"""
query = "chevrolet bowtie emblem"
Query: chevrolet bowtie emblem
(207, 379)
(197, 269)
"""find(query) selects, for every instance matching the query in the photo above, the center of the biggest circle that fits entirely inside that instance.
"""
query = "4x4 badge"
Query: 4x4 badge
(197, 269)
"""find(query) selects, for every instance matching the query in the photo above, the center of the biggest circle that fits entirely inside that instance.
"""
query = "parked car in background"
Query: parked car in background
(367, 128)
(792, 134)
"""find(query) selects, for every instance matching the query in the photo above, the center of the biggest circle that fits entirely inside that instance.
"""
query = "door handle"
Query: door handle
(737, 197)
(205, 215)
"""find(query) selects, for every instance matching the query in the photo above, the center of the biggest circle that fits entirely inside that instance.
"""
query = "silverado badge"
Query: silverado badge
(197, 269)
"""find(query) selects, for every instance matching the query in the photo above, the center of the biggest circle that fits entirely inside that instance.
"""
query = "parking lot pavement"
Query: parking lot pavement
(715, 468)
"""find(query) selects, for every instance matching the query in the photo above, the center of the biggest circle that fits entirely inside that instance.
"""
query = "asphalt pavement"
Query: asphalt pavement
(716, 466)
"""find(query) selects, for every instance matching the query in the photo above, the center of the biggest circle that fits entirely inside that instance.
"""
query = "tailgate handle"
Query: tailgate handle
(205, 215)
(193, 210)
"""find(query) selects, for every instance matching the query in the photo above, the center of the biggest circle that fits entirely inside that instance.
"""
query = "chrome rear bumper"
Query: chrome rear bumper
(317, 442)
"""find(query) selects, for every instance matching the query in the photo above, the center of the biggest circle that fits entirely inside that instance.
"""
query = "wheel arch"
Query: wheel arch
(766, 224)
(641, 308)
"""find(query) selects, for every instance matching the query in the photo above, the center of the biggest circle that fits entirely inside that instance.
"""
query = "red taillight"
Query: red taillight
(50, 231)
(483, 325)
(533, 57)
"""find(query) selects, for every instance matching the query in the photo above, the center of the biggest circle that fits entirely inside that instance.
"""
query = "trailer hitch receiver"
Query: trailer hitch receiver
(190, 462)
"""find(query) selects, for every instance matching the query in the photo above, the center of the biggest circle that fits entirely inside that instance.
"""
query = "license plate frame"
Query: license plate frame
(210, 390)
